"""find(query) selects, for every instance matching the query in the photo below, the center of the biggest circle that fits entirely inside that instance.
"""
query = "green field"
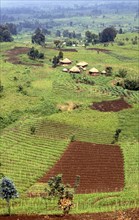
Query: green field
(26, 157)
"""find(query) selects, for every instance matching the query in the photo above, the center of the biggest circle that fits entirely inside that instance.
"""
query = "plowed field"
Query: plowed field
(13, 56)
(114, 105)
(101, 167)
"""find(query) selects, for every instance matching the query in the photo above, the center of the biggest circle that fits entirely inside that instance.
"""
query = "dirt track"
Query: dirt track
(13, 56)
(131, 214)
(100, 167)
(114, 105)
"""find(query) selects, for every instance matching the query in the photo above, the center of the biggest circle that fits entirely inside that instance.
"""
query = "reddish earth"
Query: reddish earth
(114, 105)
(13, 56)
(131, 214)
(63, 49)
(99, 50)
(100, 166)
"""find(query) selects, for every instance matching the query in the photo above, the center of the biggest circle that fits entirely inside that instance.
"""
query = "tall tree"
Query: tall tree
(5, 35)
(108, 34)
(38, 37)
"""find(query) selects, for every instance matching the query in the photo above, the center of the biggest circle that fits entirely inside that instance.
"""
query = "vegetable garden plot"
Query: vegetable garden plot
(114, 105)
(100, 167)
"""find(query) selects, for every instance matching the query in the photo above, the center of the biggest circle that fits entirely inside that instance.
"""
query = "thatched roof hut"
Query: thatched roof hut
(65, 61)
(82, 64)
(74, 69)
(94, 71)
(103, 72)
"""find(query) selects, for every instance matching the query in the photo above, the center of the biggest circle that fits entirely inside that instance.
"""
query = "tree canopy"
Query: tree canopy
(5, 35)
(108, 34)
(38, 37)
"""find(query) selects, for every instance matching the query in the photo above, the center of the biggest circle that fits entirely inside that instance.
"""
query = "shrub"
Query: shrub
(32, 130)
(108, 71)
(121, 43)
(64, 193)
(131, 84)
(122, 73)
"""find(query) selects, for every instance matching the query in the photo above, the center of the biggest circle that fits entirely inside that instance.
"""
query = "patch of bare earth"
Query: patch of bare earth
(114, 105)
(131, 214)
(13, 56)
(100, 166)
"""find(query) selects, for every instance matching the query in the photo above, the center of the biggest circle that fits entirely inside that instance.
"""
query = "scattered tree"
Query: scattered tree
(116, 136)
(5, 35)
(108, 34)
(38, 37)
(8, 191)
(64, 193)
(34, 53)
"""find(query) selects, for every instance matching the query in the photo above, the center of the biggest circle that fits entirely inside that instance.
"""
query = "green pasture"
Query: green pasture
(25, 157)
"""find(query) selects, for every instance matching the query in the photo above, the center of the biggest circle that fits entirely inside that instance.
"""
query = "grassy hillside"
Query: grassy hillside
(25, 157)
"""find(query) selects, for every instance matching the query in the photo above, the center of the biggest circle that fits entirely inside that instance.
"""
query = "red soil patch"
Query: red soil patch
(101, 167)
(13, 56)
(99, 50)
(63, 49)
(114, 105)
(131, 214)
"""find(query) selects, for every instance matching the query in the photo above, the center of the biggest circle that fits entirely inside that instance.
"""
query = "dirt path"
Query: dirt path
(131, 214)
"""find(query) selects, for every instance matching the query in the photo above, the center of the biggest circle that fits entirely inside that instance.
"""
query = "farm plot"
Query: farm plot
(13, 56)
(100, 167)
(114, 105)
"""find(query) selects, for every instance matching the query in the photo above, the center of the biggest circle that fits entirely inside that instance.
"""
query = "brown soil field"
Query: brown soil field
(131, 214)
(114, 105)
(99, 50)
(100, 167)
(13, 56)
(63, 49)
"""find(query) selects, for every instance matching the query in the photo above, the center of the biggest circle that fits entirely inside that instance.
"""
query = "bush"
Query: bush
(122, 73)
(131, 84)
(121, 43)
(108, 71)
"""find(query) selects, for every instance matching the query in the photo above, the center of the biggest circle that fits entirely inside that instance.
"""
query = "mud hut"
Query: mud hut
(82, 64)
(74, 69)
(65, 61)
(94, 71)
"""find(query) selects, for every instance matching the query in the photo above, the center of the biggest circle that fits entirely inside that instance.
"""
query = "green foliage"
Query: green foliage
(32, 129)
(65, 194)
(5, 35)
(8, 191)
(108, 71)
(35, 54)
(116, 136)
(130, 84)
(55, 61)
(38, 37)
(121, 43)
(122, 73)
(73, 138)
(9, 119)
(108, 34)
(83, 79)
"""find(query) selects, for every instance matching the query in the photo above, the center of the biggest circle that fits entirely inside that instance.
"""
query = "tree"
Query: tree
(8, 191)
(5, 35)
(55, 61)
(64, 193)
(12, 28)
(108, 34)
(38, 37)
(34, 53)
(60, 55)
(116, 136)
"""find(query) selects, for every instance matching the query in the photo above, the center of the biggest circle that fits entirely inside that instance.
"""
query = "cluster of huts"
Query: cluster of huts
(79, 67)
